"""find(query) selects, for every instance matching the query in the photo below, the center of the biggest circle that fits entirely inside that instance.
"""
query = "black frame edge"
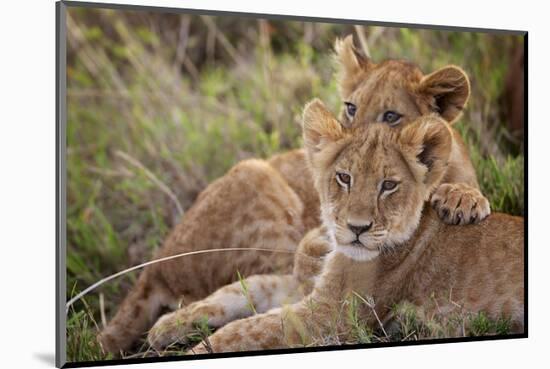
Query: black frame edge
(525, 178)
(148, 360)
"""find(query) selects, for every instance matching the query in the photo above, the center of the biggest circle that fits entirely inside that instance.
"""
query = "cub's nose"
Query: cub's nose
(359, 229)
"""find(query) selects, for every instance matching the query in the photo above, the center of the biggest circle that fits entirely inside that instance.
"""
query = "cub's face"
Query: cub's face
(370, 198)
(372, 179)
(395, 92)
(386, 94)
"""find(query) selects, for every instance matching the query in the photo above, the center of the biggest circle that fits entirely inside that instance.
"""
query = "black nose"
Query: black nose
(359, 229)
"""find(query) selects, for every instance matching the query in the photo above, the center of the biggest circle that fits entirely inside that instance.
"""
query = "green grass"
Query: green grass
(142, 120)
(501, 177)
(408, 322)
(413, 323)
(81, 338)
(246, 293)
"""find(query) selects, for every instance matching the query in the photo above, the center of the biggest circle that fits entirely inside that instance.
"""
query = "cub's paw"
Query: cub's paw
(308, 260)
(200, 349)
(170, 329)
(113, 342)
(459, 203)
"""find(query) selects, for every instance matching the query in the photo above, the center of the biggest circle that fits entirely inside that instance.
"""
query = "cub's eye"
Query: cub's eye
(388, 185)
(391, 117)
(351, 109)
(343, 179)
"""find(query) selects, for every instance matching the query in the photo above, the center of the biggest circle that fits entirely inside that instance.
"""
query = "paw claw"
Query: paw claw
(459, 203)
(458, 217)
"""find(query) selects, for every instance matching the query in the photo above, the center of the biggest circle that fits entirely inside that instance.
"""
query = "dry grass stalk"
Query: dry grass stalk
(171, 257)
(360, 30)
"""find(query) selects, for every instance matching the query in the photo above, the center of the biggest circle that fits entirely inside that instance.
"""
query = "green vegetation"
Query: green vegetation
(160, 106)
(411, 323)
(246, 293)
(81, 341)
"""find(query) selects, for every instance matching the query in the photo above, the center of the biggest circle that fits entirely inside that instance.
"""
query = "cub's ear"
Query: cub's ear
(450, 89)
(320, 127)
(427, 145)
(352, 65)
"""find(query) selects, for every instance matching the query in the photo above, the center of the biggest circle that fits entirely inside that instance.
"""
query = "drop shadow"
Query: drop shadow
(45, 357)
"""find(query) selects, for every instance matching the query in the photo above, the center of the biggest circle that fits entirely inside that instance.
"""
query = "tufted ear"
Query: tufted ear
(320, 127)
(449, 89)
(352, 65)
(426, 145)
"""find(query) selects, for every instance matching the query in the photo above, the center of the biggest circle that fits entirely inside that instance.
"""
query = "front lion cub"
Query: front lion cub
(373, 182)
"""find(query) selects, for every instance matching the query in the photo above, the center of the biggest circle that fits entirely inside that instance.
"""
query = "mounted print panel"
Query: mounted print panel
(239, 184)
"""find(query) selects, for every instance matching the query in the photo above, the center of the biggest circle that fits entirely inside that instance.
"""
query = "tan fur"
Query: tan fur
(272, 204)
(407, 255)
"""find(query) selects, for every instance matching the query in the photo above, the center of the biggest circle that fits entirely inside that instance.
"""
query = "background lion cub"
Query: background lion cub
(373, 183)
(272, 204)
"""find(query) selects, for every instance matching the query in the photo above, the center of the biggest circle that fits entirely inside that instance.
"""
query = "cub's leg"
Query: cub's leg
(264, 292)
(289, 326)
(259, 294)
(458, 200)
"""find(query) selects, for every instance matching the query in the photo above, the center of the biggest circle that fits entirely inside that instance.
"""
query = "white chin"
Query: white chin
(358, 253)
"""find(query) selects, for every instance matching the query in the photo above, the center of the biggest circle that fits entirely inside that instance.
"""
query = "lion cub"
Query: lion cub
(373, 183)
(273, 204)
